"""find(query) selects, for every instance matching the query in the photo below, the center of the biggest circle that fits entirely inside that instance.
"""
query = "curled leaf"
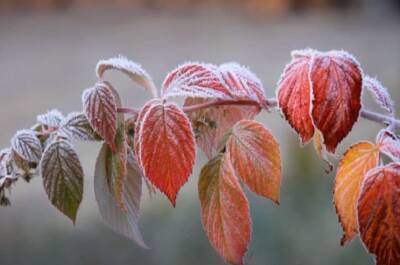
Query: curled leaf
(122, 222)
(294, 90)
(76, 126)
(26, 144)
(353, 166)
(100, 108)
(132, 69)
(166, 147)
(336, 85)
(379, 215)
(62, 177)
(255, 156)
(195, 80)
(380, 93)
(224, 210)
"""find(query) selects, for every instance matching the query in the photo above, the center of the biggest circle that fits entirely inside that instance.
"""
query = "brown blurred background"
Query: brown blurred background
(48, 51)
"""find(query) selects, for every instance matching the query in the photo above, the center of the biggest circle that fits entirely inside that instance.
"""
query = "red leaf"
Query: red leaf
(255, 156)
(354, 164)
(195, 80)
(211, 124)
(337, 83)
(389, 144)
(224, 210)
(100, 107)
(166, 147)
(138, 125)
(294, 89)
(242, 83)
(379, 215)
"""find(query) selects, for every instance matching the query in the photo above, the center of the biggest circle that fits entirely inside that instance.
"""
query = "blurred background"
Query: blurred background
(48, 51)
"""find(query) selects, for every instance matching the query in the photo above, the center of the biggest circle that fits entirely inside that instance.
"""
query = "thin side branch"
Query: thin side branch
(272, 103)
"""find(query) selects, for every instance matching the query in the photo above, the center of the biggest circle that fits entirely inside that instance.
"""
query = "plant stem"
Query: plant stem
(272, 103)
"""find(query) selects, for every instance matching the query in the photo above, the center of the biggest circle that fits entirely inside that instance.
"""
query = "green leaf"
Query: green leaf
(62, 177)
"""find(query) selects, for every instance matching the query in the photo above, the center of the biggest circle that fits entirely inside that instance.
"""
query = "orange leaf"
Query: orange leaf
(294, 89)
(379, 215)
(166, 147)
(354, 164)
(389, 144)
(255, 156)
(224, 209)
(336, 83)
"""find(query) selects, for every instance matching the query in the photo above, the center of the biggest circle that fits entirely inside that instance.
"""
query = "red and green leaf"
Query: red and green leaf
(166, 147)
(224, 209)
(354, 164)
(379, 215)
(255, 156)
(100, 107)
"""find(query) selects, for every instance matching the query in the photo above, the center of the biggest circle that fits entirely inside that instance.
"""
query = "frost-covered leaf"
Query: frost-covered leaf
(255, 156)
(76, 126)
(100, 107)
(294, 90)
(166, 137)
(353, 166)
(138, 125)
(242, 83)
(336, 84)
(212, 123)
(389, 144)
(379, 215)
(117, 169)
(380, 93)
(21, 163)
(224, 210)
(26, 144)
(51, 118)
(62, 177)
(132, 69)
(125, 223)
(195, 80)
